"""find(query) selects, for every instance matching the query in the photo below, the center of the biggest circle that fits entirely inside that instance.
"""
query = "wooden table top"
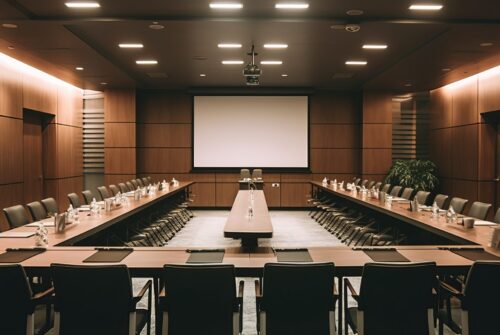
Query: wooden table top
(89, 225)
(480, 235)
(239, 225)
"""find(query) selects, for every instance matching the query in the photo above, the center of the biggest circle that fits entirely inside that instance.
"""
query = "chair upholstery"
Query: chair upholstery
(370, 184)
(395, 299)
(16, 216)
(357, 181)
(150, 180)
(19, 313)
(479, 210)
(200, 299)
(145, 181)
(407, 193)
(74, 200)
(87, 196)
(114, 189)
(422, 197)
(139, 182)
(130, 186)
(95, 300)
(364, 182)
(103, 192)
(257, 174)
(496, 219)
(396, 191)
(440, 200)
(458, 204)
(134, 183)
(386, 188)
(245, 174)
(50, 205)
(37, 210)
(378, 185)
(123, 188)
(297, 299)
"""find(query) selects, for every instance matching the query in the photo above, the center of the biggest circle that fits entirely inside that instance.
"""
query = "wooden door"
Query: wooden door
(33, 157)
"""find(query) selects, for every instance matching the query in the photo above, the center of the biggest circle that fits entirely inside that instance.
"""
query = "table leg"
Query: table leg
(341, 306)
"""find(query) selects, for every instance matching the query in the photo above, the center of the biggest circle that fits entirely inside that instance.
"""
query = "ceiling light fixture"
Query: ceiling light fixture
(375, 46)
(486, 44)
(131, 45)
(226, 5)
(104, 83)
(232, 62)
(291, 5)
(355, 12)
(146, 62)
(284, 75)
(425, 7)
(251, 71)
(79, 68)
(275, 46)
(356, 62)
(202, 75)
(82, 4)
(229, 45)
(271, 62)
(9, 25)
(446, 69)
(156, 26)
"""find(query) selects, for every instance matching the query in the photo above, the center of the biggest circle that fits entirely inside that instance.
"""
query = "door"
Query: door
(33, 157)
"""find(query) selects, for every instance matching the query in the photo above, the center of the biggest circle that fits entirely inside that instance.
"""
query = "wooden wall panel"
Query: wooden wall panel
(11, 92)
(225, 193)
(273, 195)
(464, 103)
(377, 107)
(377, 136)
(69, 151)
(334, 136)
(465, 152)
(332, 107)
(489, 92)
(69, 106)
(164, 107)
(39, 95)
(441, 108)
(119, 135)
(119, 105)
(334, 160)
(160, 160)
(377, 161)
(117, 178)
(10, 195)
(11, 150)
(466, 189)
(487, 151)
(196, 177)
(119, 161)
(440, 151)
(295, 194)
(66, 186)
(295, 177)
(164, 135)
(203, 195)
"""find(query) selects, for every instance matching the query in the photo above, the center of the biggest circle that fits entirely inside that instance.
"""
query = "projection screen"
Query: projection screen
(250, 131)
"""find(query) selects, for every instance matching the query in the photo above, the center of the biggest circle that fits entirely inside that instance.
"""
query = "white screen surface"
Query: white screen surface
(250, 131)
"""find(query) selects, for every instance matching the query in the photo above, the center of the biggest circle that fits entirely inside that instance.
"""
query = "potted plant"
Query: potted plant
(419, 174)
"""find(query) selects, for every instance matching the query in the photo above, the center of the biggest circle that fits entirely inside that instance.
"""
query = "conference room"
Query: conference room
(249, 167)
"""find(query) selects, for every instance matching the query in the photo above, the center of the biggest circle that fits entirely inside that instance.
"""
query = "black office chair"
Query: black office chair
(297, 299)
(145, 181)
(422, 197)
(74, 200)
(370, 184)
(103, 192)
(364, 183)
(394, 299)
(407, 193)
(130, 186)
(50, 206)
(396, 191)
(496, 219)
(378, 185)
(37, 210)
(386, 188)
(134, 183)
(150, 180)
(357, 181)
(479, 301)
(479, 210)
(21, 311)
(87, 196)
(458, 204)
(123, 188)
(440, 200)
(139, 182)
(201, 299)
(245, 174)
(16, 216)
(257, 174)
(97, 300)
(114, 189)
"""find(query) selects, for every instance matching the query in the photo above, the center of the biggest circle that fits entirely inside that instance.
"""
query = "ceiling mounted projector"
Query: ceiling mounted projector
(251, 71)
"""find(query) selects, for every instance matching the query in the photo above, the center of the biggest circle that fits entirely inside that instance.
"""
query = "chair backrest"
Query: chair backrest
(205, 293)
(357, 181)
(92, 299)
(481, 297)
(139, 182)
(257, 174)
(378, 185)
(364, 182)
(386, 188)
(244, 174)
(458, 204)
(130, 186)
(15, 302)
(87, 196)
(50, 205)
(422, 197)
(103, 192)
(297, 298)
(74, 200)
(114, 189)
(149, 179)
(37, 210)
(145, 181)
(396, 191)
(370, 184)
(16, 216)
(123, 187)
(440, 200)
(407, 193)
(396, 298)
(496, 219)
(134, 183)
(479, 210)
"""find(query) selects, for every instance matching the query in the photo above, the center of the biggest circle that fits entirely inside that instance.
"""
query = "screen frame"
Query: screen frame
(238, 168)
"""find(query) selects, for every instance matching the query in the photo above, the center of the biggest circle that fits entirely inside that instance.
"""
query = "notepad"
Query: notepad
(484, 223)
(18, 256)
(46, 223)
(475, 254)
(293, 255)
(206, 256)
(16, 234)
(382, 255)
(108, 255)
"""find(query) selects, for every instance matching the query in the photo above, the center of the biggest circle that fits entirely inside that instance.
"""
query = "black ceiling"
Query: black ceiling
(421, 45)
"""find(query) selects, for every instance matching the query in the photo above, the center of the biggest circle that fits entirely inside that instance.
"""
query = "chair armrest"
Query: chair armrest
(351, 289)
(142, 292)
(258, 293)
(450, 289)
(239, 296)
(43, 297)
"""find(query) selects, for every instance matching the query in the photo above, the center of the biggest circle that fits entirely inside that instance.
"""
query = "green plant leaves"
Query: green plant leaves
(416, 173)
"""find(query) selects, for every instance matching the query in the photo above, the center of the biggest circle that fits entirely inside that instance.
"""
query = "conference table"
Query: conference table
(249, 227)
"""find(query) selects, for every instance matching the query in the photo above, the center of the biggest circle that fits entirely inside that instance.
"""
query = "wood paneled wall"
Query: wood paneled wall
(119, 135)
(63, 172)
(164, 148)
(461, 143)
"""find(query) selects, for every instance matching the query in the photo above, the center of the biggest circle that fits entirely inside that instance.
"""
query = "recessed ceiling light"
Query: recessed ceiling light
(271, 62)
(275, 46)
(232, 62)
(446, 69)
(82, 4)
(486, 44)
(356, 62)
(146, 62)
(104, 83)
(131, 45)
(284, 75)
(156, 26)
(375, 46)
(9, 25)
(226, 5)
(229, 45)
(10, 47)
(291, 5)
(355, 12)
(408, 85)
(202, 75)
(426, 7)
(79, 68)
